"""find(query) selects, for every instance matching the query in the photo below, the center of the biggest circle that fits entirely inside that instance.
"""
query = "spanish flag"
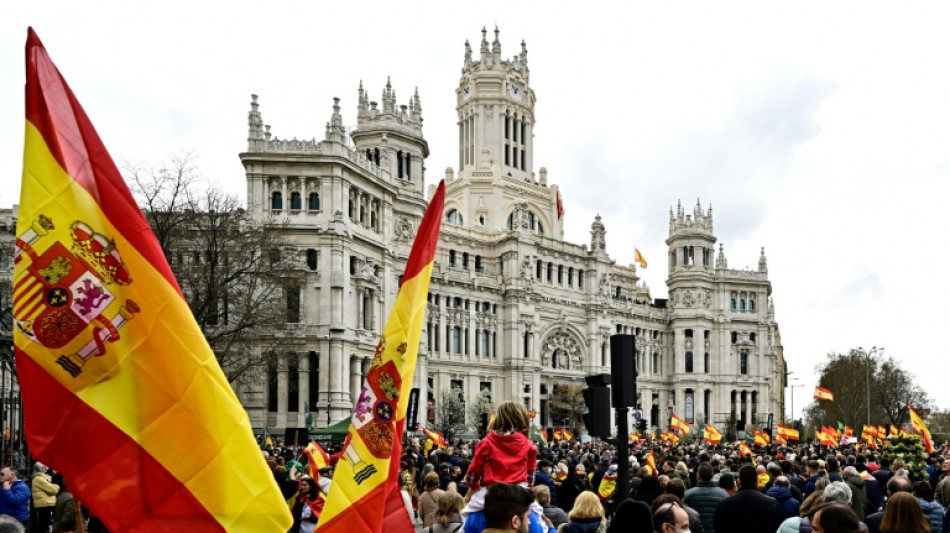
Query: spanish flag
(557, 434)
(825, 437)
(436, 438)
(638, 257)
(567, 434)
(920, 428)
(893, 431)
(744, 449)
(822, 393)
(788, 432)
(680, 424)
(366, 494)
(560, 206)
(711, 434)
(121, 393)
(761, 438)
(651, 463)
(317, 458)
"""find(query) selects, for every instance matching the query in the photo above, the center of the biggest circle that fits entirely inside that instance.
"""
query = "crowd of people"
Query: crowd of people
(505, 482)
(40, 503)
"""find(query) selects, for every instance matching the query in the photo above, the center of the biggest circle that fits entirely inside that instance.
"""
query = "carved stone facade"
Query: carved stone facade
(512, 307)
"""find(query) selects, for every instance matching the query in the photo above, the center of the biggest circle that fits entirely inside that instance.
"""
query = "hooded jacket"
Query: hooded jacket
(859, 496)
(934, 513)
(788, 504)
(16, 501)
(502, 458)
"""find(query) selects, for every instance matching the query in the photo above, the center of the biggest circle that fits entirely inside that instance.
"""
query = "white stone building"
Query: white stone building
(513, 307)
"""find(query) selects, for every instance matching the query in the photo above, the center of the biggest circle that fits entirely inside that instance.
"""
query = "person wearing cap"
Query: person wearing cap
(542, 476)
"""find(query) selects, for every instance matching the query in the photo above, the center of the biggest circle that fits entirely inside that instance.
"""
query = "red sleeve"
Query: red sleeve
(477, 466)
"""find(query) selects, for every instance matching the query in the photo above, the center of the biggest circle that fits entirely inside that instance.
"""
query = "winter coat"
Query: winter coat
(556, 515)
(859, 496)
(44, 491)
(569, 489)
(64, 515)
(810, 485)
(934, 513)
(429, 506)
(788, 504)
(16, 501)
(705, 498)
(544, 478)
(584, 525)
(502, 458)
(748, 511)
(794, 525)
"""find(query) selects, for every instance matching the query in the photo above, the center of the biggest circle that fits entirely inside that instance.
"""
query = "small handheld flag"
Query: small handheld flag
(822, 393)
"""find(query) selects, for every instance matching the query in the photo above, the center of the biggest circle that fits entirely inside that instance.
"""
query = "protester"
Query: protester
(306, 506)
(931, 509)
(695, 526)
(571, 487)
(631, 516)
(543, 477)
(447, 517)
(903, 514)
(14, 497)
(507, 507)
(557, 516)
(64, 512)
(505, 455)
(748, 510)
(705, 497)
(587, 515)
(44, 498)
(8, 524)
(429, 500)
(671, 518)
(835, 518)
(727, 482)
(859, 493)
(781, 491)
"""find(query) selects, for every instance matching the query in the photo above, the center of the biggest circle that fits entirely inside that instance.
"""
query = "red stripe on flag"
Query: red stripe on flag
(54, 110)
(428, 235)
(139, 492)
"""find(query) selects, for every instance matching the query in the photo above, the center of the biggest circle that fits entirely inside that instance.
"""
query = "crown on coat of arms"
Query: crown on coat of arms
(100, 252)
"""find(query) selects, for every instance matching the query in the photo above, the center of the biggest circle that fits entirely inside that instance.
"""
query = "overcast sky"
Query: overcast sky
(817, 130)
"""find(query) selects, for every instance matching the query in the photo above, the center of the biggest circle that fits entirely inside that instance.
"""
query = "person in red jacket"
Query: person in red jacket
(505, 455)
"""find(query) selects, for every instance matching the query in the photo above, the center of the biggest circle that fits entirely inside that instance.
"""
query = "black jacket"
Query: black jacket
(748, 511)
(705, 498)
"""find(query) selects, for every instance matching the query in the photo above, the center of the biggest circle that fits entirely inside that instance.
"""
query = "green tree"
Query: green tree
(450, 413)
(892, 390)
(482, 404)
(567, 402)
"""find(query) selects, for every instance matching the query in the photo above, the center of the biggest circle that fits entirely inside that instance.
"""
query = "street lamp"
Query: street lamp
(793, 387)
(868, 354)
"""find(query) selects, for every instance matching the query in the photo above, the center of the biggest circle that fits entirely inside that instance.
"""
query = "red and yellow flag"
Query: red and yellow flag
(638, 257)
(822, 393)
(560, 206)
(567, 434)
(365, 494)
(744, 449)
(711, 434)
(881, 432)
(893, 431)
(826, 436)
(788, 432)
(680, 424)
(557, 434)
(121, 392)
(920, 428)
(435, 437)
(651, 462)
(317, 458)
(761, 438)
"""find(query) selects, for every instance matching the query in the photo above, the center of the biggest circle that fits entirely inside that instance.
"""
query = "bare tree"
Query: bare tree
(482, 405)
(451, 413)
(229, 267)
(895, 391)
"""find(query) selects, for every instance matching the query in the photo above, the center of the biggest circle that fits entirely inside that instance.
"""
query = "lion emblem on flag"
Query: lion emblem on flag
(65, 292)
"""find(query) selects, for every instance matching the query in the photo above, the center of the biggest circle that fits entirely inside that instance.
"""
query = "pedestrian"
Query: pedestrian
(671, 518)
(572, 487)
(14, 497)
(587, 515)
(44, 498)
(306, 506)
(931, 509)
(903, 514)
(781, 491)
(505, 455)
(64, 512)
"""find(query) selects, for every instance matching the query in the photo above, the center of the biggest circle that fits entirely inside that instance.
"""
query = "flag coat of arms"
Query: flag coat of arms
(113, 368)
(365, 494)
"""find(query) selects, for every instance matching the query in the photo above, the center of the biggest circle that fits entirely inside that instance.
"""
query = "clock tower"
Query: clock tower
(496, 112)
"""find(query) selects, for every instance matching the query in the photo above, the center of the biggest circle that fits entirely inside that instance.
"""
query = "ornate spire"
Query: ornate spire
(484, 47)
(763, 263)
(416, 106)
(721, 259)
(496, 46)
(468, 54)
(255, 124)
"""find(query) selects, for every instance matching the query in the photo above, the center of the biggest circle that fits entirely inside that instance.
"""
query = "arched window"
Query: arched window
(732, 304)
(751, 304)
(454, 217)
(742, 304)
(465, 260)
(689, 362)
(580, 279)
(538, 273)
(560, 274)
(478, 263)
(312, 259)
(451, 258)
(752, 337)
(295, 202)
(550, 272)
(656, 363)
(706, 362)
(276, 201)
(313, 202)
(743, 362)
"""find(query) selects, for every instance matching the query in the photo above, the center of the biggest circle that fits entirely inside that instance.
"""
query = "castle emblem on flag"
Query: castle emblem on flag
(64, 294)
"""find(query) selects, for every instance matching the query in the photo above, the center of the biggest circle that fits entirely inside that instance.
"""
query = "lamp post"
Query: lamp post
(868, 354)
(793, 387)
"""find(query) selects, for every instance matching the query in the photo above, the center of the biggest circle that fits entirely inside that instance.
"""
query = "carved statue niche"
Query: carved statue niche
(564, 352)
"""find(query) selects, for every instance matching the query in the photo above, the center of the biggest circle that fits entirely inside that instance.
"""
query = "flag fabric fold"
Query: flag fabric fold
(711, 434)
(113, 368)
(788, 433)
(920, 428)
(365, 494)
(436, 437)
(680, 424)
(638, 257)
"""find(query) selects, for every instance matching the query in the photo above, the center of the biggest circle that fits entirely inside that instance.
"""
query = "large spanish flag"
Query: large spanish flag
(365, 494)
(787, 432)
(711, 435)
(680, 424)
(121, 392)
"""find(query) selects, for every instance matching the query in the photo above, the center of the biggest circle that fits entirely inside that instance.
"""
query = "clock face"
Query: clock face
(516, 91)
(467, 91)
